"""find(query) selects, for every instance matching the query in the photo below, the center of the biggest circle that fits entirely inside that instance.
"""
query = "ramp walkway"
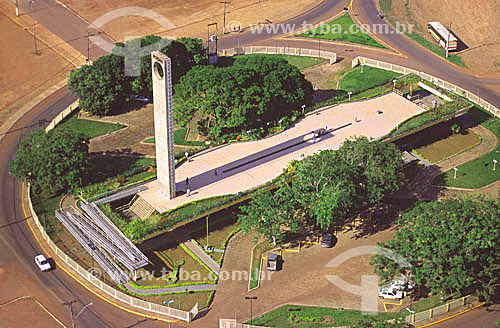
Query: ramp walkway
(202, 256)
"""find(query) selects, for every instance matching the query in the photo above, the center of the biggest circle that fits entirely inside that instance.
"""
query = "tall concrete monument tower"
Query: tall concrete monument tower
(164, 126)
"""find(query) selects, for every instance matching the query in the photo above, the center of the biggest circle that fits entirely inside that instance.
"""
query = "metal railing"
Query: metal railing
(152, 308)
(424, 76)
(68, 220)
(116, 241)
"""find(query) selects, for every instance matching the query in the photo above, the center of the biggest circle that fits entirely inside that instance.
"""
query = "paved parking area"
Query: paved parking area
(302, 280)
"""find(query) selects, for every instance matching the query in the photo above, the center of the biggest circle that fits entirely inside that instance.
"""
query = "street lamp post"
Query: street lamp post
(349, 93)
(394, 84)
(455, 169)
(167, 303)
(224, 19)
(251, 298)
(303, 109)
(362, 68)
(495, 164)
(17, 8)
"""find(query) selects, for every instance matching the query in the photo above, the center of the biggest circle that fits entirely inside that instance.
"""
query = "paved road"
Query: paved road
(19, 248)
(18, 245)
(483, 317)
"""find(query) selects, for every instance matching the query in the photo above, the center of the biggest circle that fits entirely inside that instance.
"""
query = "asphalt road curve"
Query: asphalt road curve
(16, 241)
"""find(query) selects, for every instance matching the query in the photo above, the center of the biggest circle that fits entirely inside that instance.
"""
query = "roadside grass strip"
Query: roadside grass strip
(342, 29)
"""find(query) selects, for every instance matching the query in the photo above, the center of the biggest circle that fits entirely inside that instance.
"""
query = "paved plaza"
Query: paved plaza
(245, 165)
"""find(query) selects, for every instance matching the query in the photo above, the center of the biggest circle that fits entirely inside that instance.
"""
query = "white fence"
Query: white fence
(132, 301)
(424, 76)
(439, 310)
(331, 56)
(62, 115)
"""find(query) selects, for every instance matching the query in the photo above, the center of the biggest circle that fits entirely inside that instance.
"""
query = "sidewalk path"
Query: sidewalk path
(202, 256)
(246, 165)
(151, 291)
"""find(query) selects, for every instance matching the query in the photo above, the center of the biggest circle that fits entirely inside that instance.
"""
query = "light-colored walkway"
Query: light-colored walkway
(246, 165)
(202, 256)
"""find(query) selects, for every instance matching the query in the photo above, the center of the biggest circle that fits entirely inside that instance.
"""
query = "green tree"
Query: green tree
(55, 161)
(325, 189)
(271, 214)
(452, 246)
(243, 96)
(181, 60)
(378, 164)
(101, 87)
(196, 50)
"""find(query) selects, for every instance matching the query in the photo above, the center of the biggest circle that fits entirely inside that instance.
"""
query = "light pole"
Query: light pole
(455, 169)
(17, 8)
(303, 109)
(251, 298)
(394, 84)
(167, 303)
(495, 164)
(349, 93)
(362, 68)
(224, 20)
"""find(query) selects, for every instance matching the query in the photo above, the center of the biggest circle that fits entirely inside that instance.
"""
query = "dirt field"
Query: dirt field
(189, 16)
(28, 312)
(21, 71)
(473, 22)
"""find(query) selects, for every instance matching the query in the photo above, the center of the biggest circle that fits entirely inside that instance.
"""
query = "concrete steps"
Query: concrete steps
(142, 208)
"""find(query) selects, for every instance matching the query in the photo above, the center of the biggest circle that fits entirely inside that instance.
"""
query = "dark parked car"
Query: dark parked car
(273, 262)
(327, 240)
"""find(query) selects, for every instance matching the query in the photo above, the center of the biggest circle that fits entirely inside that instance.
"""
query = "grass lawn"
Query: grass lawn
(435, 48)
(89, 128)
(479, 172)
(260, 249)
(342, 29)
(356, 81)
(181, 301)
(104, 167)
(105, 171)
(156, 274)
(45, 207)
(301, 62)
(426, 303)
(386, 6)
(447, 147)
(179, 139)
(315, 317)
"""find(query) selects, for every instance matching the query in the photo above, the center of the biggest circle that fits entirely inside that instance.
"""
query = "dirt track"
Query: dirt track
(189, 16)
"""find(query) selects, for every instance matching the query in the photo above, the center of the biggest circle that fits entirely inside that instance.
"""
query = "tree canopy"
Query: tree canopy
(54, 161)
(452, 246)
(325, 189)
(245, 95)
(101, 87)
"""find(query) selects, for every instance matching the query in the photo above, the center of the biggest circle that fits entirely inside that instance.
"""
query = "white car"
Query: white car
(391, 293)
(42, 263)
(402, 284)
(140, 98)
